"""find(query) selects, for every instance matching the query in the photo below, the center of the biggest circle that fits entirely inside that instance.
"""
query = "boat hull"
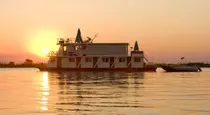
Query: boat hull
(145, 69)
(181, 68)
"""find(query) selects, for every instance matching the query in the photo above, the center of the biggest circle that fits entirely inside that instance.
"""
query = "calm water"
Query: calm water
(29, 91)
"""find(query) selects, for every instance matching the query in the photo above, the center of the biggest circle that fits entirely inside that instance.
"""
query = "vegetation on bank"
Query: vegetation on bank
(28, 63)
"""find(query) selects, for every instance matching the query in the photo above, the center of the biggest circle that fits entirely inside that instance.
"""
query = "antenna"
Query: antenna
(94, 37)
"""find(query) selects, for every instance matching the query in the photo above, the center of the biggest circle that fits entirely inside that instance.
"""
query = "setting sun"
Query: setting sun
(42, 42)
(45, 51)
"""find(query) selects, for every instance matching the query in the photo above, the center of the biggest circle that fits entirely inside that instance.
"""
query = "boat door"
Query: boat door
(95, 60)
(129, 62)
(111, 62)
(78, 62)
(59, 63)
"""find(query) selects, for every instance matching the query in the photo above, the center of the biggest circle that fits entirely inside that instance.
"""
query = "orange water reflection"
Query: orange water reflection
(29, 91)
(45, 91)
(119, 93)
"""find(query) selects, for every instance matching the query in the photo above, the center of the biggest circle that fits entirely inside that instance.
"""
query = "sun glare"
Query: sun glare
(42, 42)
(45, 51)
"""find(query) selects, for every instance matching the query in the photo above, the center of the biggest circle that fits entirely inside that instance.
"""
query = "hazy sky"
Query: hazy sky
(165, 29)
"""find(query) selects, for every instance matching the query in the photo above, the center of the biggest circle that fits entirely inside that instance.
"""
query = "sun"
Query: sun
(45, 51)
(41, 42)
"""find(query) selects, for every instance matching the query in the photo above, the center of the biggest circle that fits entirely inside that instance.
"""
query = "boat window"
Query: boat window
(71, 59)
(105, 59)
(137, 59)
(65, 48)
(121, 59)
(76, 48)
(88, 59)
(80, 47)
(72, 54)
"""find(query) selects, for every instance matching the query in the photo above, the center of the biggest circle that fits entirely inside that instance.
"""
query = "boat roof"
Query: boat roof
(94, 43)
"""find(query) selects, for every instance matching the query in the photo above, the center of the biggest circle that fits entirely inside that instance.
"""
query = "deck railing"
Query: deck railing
(64, 40)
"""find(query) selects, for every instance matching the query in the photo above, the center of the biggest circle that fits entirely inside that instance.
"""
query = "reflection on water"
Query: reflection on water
(28, 91)
(45, 93)
(89, 92)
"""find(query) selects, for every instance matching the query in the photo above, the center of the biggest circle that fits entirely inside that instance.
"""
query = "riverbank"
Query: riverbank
(22, 65)
(28, 63)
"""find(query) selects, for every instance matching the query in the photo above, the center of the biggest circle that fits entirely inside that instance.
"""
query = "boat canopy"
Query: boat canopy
(78, 37)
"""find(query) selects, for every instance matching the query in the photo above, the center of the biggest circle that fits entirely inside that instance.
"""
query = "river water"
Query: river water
(29, 91)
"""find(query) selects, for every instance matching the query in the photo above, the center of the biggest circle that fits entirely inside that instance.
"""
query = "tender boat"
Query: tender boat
(88, 56)
(181, 68)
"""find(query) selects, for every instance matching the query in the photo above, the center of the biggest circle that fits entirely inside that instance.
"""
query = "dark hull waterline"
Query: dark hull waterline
(146, 69)
(181, 68)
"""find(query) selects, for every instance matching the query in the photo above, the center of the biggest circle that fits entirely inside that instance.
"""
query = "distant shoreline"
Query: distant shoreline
(36, 65)
(27, 64)
(17, 67)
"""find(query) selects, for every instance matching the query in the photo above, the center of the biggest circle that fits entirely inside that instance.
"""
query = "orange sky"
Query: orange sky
(165, 29)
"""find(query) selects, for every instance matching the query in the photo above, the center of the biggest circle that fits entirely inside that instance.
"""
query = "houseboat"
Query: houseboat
(88, 56)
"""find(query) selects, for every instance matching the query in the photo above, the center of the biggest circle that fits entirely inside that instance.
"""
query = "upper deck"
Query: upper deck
(94, 48)
(68, 41)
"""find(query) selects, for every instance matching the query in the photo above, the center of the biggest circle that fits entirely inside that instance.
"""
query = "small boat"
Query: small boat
(181, 68)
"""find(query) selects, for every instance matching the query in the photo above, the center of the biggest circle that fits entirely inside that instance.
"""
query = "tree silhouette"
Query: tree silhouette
(11, 63)
(28, 62)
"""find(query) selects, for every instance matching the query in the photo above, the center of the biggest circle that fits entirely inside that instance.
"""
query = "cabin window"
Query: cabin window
(76, 48)
(105, 60)
(65, 50)
(80, 47)
(72, 54)
(71, 59)
(137, 59)
(88, 59)
(121, 59)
